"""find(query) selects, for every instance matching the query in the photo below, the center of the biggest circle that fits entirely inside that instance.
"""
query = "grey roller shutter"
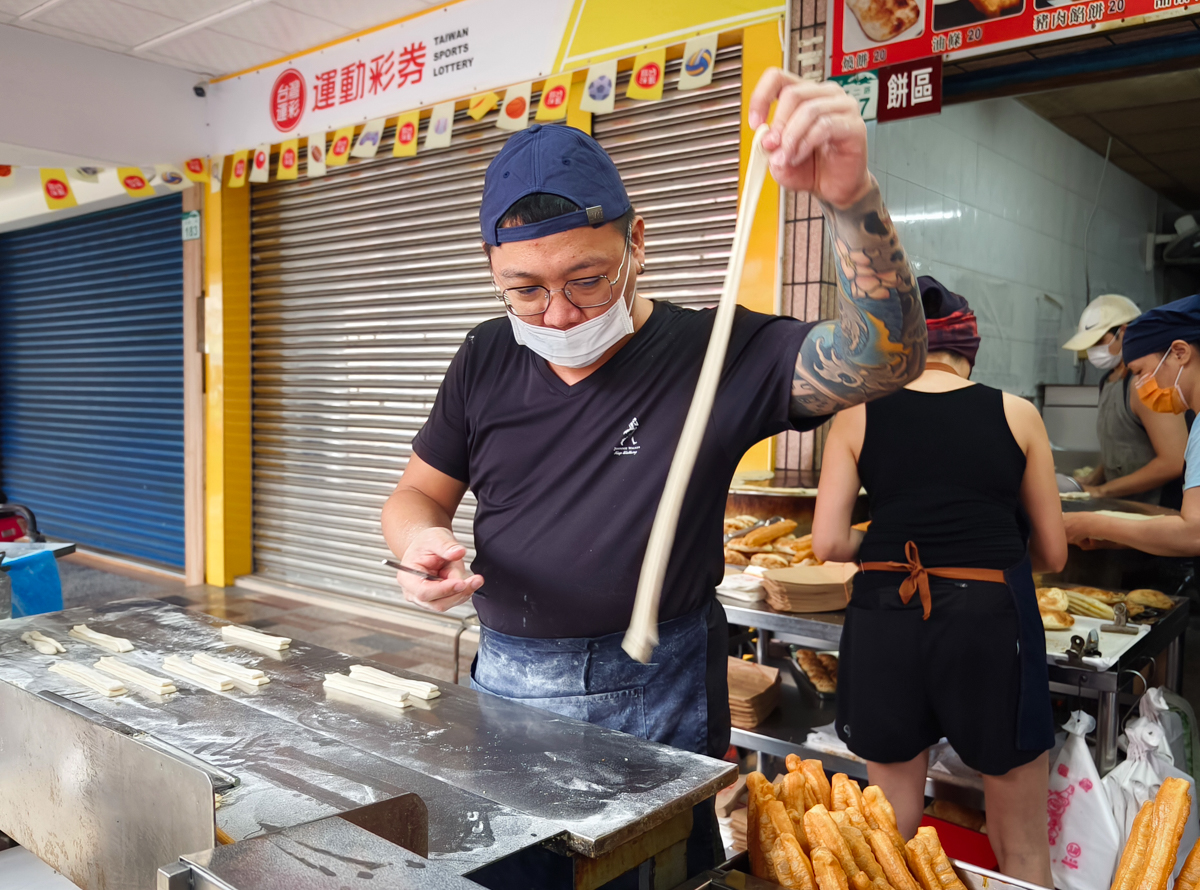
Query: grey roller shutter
(365, 282)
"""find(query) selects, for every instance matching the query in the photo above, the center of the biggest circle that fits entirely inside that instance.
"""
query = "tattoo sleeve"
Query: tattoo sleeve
(878, 342)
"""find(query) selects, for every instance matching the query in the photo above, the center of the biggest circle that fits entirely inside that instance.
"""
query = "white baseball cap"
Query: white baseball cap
(1102, 315)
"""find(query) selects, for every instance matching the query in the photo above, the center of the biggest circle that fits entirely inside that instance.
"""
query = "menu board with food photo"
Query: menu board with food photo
(870, 34)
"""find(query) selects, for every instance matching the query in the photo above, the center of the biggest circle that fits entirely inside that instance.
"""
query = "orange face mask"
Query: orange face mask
(1161, 399)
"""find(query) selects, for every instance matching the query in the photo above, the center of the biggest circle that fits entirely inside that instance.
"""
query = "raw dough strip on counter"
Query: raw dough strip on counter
(236, 634)
(394, 697)
(88, 677)
(206, 679)
(42, 643)
(417, 688)
(136, 676)
(231, 669)
(104, 641)
(642, 636)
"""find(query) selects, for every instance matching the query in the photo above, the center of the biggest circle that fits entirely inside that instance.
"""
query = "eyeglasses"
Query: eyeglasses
(583, 293)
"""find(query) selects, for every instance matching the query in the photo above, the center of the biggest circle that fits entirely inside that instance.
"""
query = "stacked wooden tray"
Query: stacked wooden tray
(753, 692)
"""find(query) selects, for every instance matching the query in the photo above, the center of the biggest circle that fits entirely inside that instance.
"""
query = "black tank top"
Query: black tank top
(943, 470)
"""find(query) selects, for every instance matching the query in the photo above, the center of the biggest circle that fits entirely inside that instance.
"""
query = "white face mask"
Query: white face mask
(583, 344)
(1100, 357)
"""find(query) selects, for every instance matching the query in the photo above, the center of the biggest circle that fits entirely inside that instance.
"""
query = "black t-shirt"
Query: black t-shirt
(568, 478)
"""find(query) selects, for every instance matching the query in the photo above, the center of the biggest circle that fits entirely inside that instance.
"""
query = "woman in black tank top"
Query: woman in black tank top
(942, 636)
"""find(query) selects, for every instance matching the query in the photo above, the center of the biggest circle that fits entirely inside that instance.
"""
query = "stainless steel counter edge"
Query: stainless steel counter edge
(545, 774)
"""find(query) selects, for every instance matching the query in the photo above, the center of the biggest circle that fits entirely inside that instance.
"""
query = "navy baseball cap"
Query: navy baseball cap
(555, 160)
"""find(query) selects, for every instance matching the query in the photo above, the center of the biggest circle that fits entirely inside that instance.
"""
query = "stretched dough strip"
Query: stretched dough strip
(247, 675)
(642, 636)
(236, 634)
(88, 677)
(416, 688)
(205, 679)
(104, 641)
(43, 643)
(342, 683)
(135, 676)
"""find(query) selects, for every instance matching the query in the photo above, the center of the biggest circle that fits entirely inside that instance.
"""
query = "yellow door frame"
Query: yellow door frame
(228, 478)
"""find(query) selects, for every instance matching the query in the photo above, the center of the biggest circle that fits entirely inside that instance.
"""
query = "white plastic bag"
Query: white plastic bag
(1085, 839)
(1137, 779)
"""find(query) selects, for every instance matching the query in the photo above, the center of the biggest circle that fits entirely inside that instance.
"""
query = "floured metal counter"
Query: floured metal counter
(500, 781)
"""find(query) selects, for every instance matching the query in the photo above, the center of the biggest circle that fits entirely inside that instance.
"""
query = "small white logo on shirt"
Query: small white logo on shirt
(629, 443)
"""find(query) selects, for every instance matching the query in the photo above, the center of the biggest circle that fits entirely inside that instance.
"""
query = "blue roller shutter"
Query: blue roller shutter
(91, 377)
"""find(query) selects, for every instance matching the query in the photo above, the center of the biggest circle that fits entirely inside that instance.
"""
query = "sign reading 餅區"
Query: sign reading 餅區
(872, 34)
(913, 89)
(449, 52)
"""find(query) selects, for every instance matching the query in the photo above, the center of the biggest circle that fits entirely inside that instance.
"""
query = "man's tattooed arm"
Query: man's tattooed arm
(878, 342)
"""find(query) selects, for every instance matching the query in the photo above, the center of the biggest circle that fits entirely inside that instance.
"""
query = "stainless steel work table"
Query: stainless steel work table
(785, 731)
(496, 777)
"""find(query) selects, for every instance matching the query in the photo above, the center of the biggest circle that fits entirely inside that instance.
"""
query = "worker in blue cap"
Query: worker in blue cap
(563, 415)
(1162, 349)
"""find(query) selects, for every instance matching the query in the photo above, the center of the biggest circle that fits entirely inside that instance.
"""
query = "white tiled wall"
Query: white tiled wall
(993, 201)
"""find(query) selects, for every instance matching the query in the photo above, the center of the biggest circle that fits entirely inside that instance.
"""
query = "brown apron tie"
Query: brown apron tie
(918, 575)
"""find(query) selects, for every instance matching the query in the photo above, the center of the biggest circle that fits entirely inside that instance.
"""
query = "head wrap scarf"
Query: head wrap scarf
(1154, 331)
(949, 320)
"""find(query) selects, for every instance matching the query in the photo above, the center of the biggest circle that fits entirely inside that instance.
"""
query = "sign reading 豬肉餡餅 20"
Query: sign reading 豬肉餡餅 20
(447, 53)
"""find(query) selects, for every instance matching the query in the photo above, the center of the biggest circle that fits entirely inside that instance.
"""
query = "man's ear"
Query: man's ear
(1185, 352)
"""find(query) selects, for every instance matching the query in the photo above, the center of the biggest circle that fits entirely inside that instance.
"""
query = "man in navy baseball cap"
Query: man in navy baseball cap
(562, 418)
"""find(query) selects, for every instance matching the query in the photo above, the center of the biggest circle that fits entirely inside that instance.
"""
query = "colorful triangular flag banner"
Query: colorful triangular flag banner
(339, 149)
(134, 182)
(289, 159)
(237, 173)
(315, 165)
(260, 164)
(441, 125)
(369, 139)
(407, 126)
(555, 92)
(56, 189)
(646, 79)
(482, 104)
(600, 88)
(86, 174)
(196, 169)
(216, 166)
(699, 59)
(514, 110)
(172, 177)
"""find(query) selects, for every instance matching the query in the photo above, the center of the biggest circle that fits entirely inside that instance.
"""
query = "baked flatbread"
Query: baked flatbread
(884, 19)
(1053, 619)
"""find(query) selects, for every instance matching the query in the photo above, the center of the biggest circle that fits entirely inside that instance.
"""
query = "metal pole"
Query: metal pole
(1174, 664)
(1106, 731)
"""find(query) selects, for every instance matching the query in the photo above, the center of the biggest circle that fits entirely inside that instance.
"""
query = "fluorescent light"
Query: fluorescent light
(927, 217)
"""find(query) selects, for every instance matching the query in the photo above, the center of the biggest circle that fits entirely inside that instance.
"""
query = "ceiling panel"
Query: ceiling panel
(285, 29)
(361, 13)
(73, 36)
(184, 10)
(16, 7)
(212, 53)
(1154, 122)
(239, 35)
(108, 20)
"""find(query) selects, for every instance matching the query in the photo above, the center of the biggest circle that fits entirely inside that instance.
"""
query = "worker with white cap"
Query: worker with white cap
(1140, 450)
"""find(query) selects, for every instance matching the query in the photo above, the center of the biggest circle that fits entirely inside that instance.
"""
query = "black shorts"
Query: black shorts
(904, 683)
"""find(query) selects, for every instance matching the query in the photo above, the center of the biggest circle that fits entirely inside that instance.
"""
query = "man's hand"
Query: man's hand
(435, 552)
(818, 141)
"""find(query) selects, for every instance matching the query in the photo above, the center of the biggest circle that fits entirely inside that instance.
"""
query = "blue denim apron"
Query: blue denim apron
(594, 680)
